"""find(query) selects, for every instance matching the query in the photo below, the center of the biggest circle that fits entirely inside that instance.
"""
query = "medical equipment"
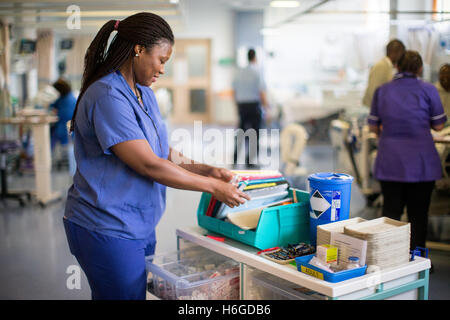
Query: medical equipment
(292, 143)
(355, 149)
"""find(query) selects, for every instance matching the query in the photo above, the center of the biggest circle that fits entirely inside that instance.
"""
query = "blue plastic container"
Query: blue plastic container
(329, 199)
(304, 266)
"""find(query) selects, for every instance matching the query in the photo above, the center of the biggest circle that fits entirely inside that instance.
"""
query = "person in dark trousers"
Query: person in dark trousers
(124, 161)
(63, 107)
(403, 113)
(250, 96)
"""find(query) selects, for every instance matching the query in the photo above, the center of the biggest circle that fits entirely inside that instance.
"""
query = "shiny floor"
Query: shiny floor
(35, 262)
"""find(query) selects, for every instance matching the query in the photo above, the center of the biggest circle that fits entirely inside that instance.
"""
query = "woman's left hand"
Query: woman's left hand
(221, 173)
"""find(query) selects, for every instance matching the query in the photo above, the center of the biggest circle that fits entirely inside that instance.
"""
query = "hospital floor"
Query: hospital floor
(36, 262)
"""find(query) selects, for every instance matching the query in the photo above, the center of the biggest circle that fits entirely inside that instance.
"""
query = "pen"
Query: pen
(270, 249)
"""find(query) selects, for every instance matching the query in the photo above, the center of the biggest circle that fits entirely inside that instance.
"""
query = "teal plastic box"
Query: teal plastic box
(277, 226)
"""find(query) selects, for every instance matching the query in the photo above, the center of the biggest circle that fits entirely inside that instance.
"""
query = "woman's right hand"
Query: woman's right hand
(229, 193)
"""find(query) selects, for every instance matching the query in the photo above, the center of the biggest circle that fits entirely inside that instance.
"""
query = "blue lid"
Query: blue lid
(331, 177)
(353, 259)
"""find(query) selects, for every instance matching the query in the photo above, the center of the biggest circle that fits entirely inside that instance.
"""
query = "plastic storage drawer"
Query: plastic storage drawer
(261, 285)
(277, 226)
(193, 274)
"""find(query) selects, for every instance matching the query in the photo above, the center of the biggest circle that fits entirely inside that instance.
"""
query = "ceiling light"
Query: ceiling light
(284, 4)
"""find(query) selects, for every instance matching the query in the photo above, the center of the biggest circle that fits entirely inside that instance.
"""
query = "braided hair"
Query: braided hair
(144, 28)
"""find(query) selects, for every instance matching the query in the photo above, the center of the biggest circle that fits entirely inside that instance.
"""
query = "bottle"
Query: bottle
(352, 263)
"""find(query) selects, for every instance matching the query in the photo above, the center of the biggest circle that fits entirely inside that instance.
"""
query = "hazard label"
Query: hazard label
(318, 204)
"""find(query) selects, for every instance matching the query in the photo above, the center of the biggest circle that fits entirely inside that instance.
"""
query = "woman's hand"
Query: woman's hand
(228, 193)
(221, 174)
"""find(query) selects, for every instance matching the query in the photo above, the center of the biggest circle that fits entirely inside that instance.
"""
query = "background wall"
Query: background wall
(324, 48)
(213, 20)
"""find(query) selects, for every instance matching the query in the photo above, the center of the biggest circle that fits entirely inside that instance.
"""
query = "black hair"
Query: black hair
(444, 76)
(144, 28)
(251, 54)
(62, 86)
(410, 61)
(395, 49)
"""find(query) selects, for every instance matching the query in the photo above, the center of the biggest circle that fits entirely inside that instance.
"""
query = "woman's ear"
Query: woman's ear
(138, 50)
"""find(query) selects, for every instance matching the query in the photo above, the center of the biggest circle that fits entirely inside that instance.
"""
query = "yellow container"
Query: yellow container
(327, 253)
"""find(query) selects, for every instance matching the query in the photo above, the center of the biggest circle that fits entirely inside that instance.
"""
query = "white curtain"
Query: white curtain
(424, 40)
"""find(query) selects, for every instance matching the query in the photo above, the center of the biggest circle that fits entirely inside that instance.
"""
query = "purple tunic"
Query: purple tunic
(406, 107)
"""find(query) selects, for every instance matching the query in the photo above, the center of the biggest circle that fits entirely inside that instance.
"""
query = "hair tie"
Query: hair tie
(116, 25)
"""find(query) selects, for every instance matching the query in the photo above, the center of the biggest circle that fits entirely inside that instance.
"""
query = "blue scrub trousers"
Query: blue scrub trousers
(115, 267)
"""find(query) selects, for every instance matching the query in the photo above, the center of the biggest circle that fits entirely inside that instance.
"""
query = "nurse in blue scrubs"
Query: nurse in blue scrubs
(63, 107)
(124, 162)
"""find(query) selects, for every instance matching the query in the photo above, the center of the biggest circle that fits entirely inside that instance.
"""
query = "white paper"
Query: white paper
(349, 246)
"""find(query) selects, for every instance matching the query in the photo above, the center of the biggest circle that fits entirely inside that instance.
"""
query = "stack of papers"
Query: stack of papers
(265, 187)
(349, 246)
(387, 241)
(324, 231)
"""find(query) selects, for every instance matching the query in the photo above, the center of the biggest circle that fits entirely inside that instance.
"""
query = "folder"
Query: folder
(256, 181)
(256, 193)
(264, 185)
(257, 174)
(249, 219)
(257, 201)
(216, 208)
(260, 185)
(211, 205)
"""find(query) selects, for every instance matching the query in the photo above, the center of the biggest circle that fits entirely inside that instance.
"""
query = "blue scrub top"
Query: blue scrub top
(65, 107)
(407, 107)
(107, 196)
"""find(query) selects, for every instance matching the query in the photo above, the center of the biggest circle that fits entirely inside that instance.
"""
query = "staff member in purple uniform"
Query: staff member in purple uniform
(403, 112)
(124, 162)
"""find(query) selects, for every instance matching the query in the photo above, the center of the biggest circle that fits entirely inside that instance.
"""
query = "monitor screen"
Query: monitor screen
(66, 44)
(27, 46)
